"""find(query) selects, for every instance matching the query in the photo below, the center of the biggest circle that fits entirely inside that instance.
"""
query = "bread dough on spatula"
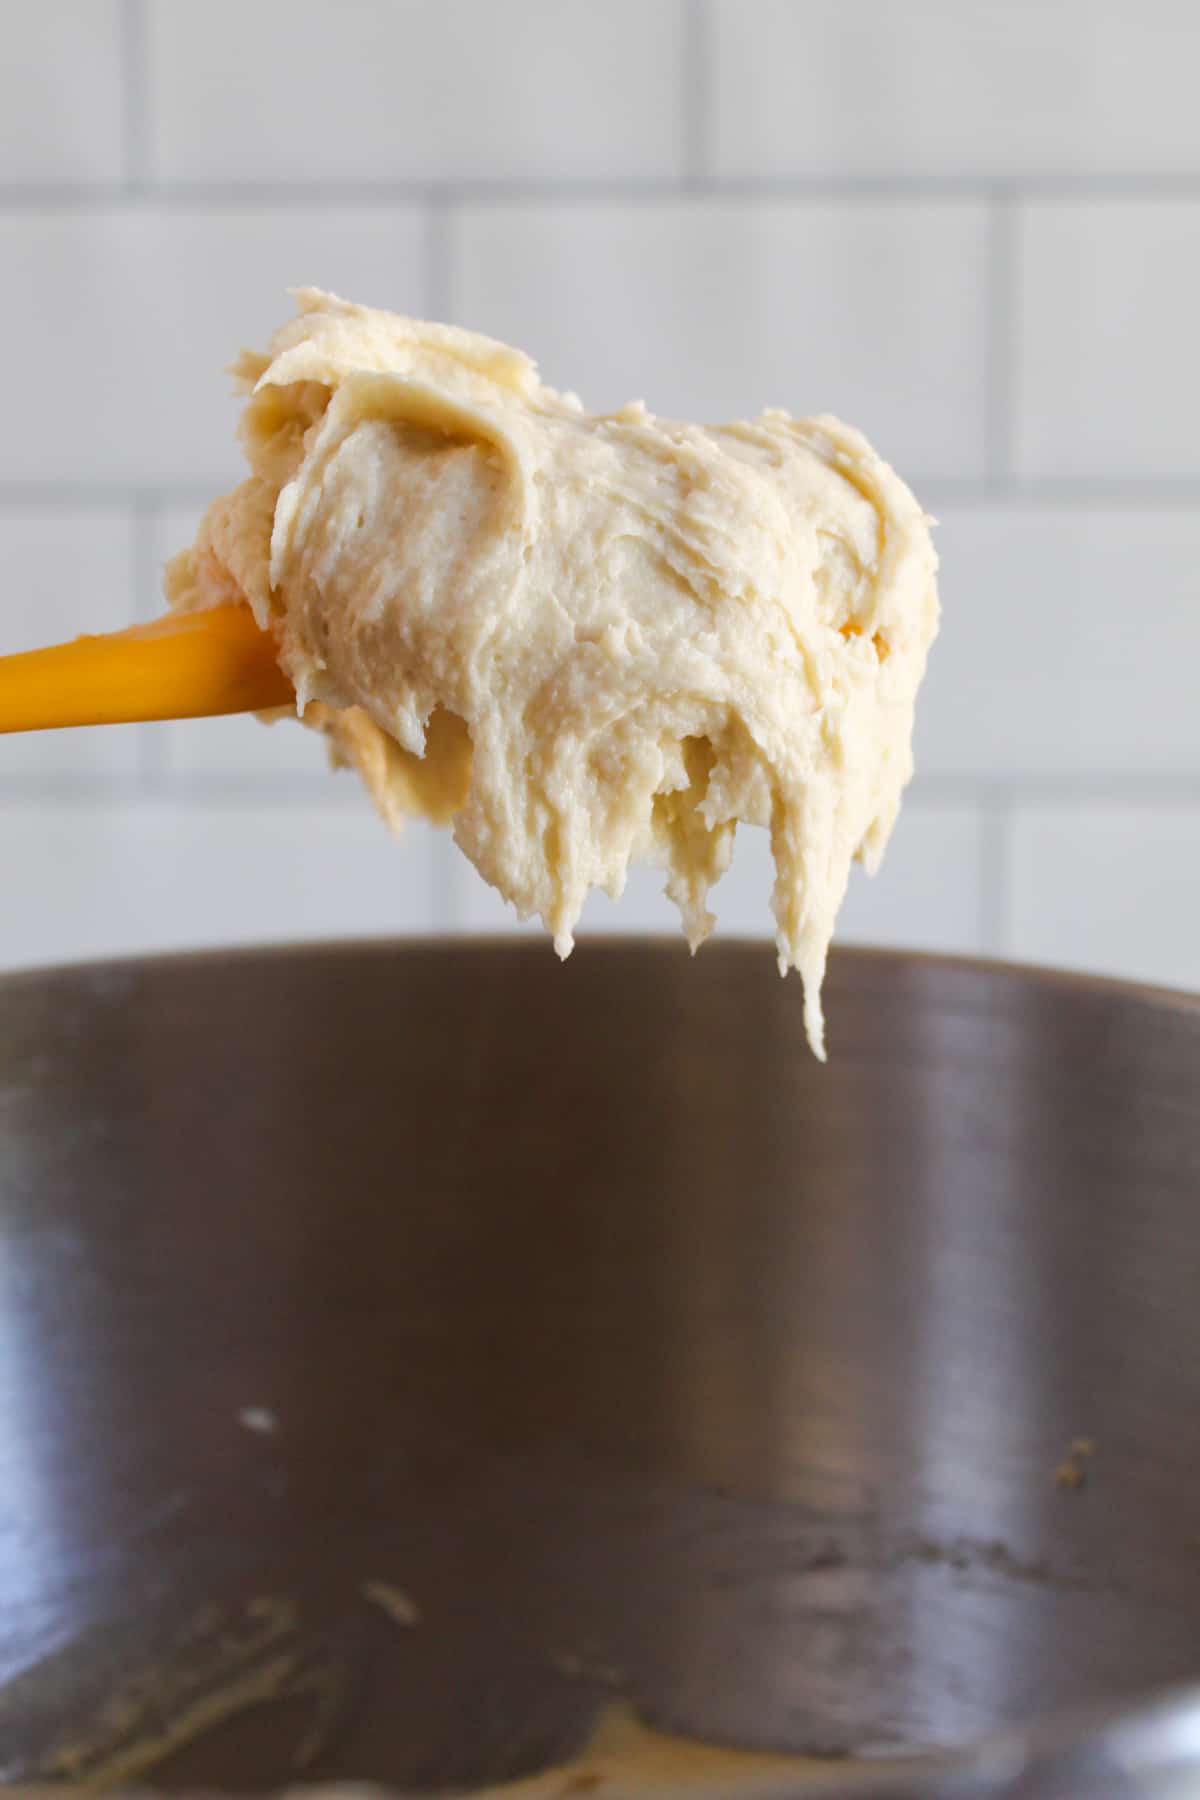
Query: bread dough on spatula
(581, 639)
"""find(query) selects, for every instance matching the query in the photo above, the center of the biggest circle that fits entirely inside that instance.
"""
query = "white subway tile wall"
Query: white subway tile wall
(966, 88)
(973, 228)
(1109, 887)
(107, 876)
(1107, 376)
(129, 315)
(62, 105)
(714, 309)
(66, 570)
(425, 90)
(1069, 642)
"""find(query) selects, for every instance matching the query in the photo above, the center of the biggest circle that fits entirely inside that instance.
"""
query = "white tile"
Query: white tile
(65, 571)
(243, 746)
(954, 87)
(874, 311)
(1070, 642)
(106, 879)
(60, 92)
(239, 745)
(926, 895)
(1109, 889)
(416, 89)
(127, 320)
(1108, 381)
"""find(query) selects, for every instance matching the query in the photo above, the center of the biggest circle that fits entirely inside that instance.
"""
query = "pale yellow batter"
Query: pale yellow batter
(625, 1760)
(583, 639)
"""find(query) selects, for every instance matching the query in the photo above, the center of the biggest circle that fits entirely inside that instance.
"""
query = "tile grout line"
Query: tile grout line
(118, 495)
(695, 75)
(143, 189)
(1095, 787)
(229, 792)
(1063, 490)
(1001, 339)
(148, 510)
(439, 300)
(148, 506)
(135, 97)
(995, 877)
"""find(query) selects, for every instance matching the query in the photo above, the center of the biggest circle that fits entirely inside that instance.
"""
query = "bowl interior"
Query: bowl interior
(410, 1350)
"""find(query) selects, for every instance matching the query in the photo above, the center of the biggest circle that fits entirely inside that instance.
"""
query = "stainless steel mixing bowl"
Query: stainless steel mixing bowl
(629, 1347)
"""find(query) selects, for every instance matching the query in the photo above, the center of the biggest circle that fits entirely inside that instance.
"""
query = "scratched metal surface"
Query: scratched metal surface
(636, 1352)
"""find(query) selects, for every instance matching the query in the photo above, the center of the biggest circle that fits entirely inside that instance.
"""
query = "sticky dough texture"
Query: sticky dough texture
(582, 639)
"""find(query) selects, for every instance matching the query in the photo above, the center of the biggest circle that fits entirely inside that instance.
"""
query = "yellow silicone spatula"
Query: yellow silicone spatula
(185, 666)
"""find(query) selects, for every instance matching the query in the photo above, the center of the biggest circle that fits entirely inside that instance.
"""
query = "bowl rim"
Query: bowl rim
(455, 943)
